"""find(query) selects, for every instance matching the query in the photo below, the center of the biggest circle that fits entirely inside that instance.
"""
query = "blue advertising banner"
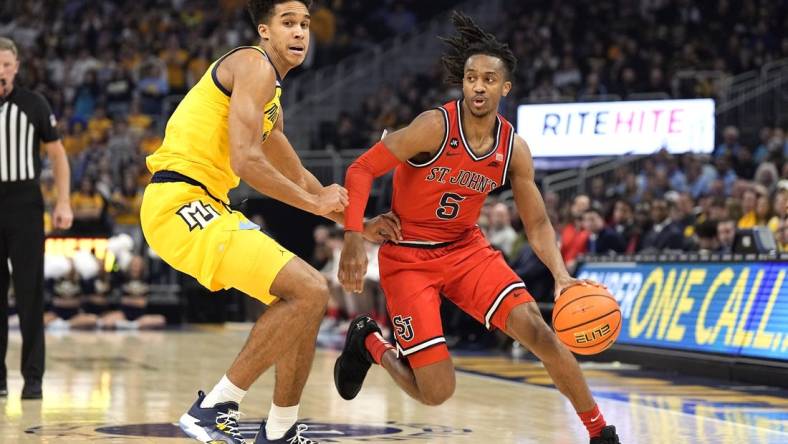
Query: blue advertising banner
(735, 309)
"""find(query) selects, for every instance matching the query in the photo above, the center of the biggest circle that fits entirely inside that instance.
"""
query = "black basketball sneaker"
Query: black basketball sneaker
(608, 436)
(353, 364)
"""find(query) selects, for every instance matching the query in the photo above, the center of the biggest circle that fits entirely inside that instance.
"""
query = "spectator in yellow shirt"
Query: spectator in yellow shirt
(88, 206)
(749, 201)
(763, 210)
(199, 63)
(782, 236)
(323, 25)
(150, 141)
(779, 207)
(130, 58)
(125, 208)
(175, 58)
(77, 140)
(99, 124)
(138, 122)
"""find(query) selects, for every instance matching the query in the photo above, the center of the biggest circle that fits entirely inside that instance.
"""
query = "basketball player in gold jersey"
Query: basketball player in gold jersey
(229, 127)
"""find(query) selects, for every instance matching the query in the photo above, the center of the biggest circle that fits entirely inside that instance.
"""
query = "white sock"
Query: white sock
(224, 391)
(279, 421)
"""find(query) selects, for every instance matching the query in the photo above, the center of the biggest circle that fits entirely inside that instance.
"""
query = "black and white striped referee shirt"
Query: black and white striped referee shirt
(26, 120)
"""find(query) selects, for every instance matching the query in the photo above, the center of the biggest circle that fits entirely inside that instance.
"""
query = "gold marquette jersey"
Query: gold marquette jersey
(196, 141)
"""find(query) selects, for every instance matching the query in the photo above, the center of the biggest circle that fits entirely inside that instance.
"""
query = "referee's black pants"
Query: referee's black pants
(22, 241)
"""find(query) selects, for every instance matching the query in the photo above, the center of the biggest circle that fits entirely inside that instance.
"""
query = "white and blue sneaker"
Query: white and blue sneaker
(217, 424)
(293, 436)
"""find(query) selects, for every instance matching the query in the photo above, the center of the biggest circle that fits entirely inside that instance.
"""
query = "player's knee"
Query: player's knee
(316, 293)
(527, 326)
(439, 389)
(437, 394)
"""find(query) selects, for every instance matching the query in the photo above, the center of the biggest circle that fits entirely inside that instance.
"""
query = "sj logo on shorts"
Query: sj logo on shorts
(403, 327)
(197, 214)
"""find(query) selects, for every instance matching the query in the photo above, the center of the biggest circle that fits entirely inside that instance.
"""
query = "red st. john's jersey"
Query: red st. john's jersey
(440, 199)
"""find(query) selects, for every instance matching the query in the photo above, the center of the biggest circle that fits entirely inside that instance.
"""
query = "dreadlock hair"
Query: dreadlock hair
(471, 40)
(260, 10)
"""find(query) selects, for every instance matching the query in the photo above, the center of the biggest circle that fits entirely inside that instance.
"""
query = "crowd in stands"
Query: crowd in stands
(645, 44)
(565, 55)
(344, 27)
(114, 70)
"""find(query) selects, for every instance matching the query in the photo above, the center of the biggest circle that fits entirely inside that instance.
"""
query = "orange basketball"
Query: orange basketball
(587, 319)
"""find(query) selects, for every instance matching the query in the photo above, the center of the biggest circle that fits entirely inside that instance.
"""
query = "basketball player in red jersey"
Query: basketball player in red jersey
(447, 161)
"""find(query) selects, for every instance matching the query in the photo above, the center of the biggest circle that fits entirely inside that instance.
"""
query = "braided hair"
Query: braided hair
(471, 40)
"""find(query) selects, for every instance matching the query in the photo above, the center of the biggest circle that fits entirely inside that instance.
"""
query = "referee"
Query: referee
(26, 124)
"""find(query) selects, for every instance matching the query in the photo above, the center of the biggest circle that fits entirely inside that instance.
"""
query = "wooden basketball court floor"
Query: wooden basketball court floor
(132, 387)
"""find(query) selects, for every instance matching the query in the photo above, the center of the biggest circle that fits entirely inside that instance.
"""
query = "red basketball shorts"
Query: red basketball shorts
(468, 272)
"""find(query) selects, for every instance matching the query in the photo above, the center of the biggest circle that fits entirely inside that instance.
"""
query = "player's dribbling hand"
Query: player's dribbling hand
(353, 263)
(330, 199)
(562, 284)
(385, 227)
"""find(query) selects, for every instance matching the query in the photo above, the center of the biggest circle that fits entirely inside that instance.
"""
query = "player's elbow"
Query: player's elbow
(355, 169)
(358, 173)
(241, 161)
(302, 182)
(536, 224)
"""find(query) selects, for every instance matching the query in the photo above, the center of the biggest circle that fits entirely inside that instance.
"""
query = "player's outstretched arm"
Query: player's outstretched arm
(538, 228)
(248, 161)
(281, 154)
(283, 157)
(423, 135)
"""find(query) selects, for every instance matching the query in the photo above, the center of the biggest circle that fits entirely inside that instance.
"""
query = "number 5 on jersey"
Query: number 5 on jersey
(449, 206)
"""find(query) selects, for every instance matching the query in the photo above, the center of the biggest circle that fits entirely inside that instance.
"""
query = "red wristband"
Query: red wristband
(376, 162)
